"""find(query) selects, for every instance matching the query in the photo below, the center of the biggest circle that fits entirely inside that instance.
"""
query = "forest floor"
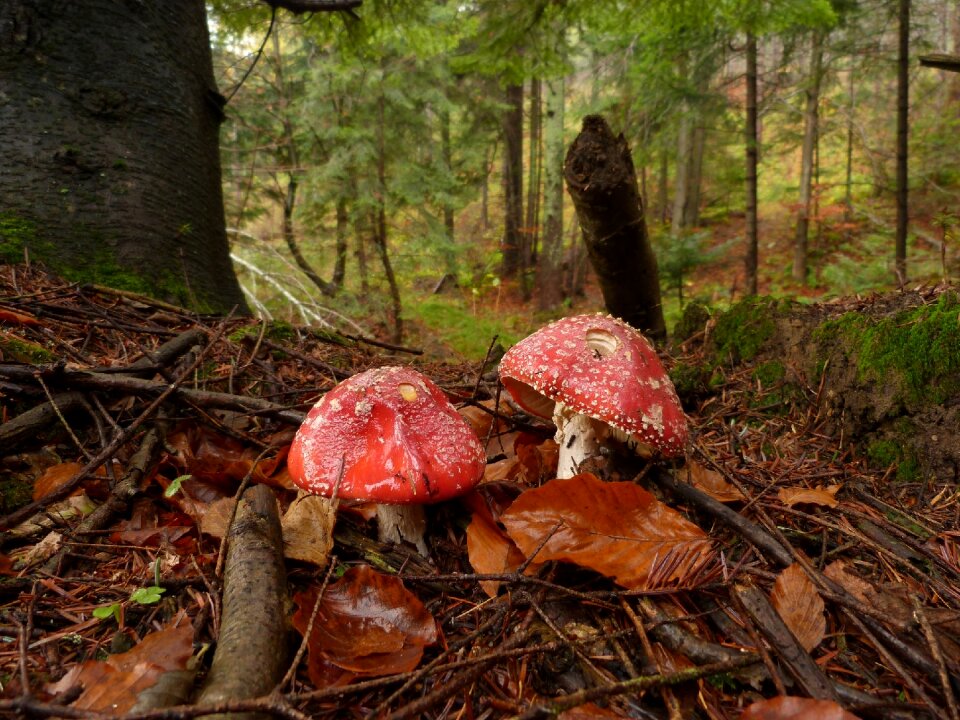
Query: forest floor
(773, 562)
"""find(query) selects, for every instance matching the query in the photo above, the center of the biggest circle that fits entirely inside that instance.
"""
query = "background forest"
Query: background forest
(400, 172)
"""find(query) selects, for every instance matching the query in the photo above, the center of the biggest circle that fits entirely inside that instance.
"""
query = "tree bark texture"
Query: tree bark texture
(603, 185)
(811, 124)
(903, 117)
(550, 262)
(110, 167)
(752, 157)
(512, 183)
(531, 223)
(252, 645)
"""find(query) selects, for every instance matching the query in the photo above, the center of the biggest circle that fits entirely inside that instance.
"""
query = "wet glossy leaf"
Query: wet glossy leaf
(216, 458)
(488, 547)
(796, 708)
(368, 624)
(617, 529)
(113, 684)
(811, 496)
(800, 606)
(712, 483)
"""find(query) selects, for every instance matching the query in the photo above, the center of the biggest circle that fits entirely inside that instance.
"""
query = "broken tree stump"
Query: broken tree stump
(603, 184)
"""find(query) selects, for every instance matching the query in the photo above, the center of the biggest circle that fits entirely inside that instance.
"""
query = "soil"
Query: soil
(822, 354)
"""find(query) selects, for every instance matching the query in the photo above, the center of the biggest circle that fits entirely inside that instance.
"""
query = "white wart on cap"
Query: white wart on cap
(599, 379)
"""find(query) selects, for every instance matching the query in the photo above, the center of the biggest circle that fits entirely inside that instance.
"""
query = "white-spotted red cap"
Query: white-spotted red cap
(601, 367)
(399, 438)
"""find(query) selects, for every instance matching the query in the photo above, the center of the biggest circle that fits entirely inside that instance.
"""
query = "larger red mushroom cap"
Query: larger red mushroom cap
(398, 437)
(603, 368)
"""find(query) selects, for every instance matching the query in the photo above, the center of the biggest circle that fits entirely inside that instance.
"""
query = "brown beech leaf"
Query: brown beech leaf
(589, 711)
(712, 483)
(488, 547)
(114, 684)
(811, 496)
(796, 708)
(800, 606)
(307, 527)
(368, 624)
(617, 529)
(538, 458)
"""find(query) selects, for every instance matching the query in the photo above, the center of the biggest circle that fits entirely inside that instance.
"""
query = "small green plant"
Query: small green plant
(174, 487)
(149, 595)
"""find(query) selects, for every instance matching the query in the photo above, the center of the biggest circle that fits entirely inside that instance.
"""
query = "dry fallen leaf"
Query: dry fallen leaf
(589, 711)
(796, 708)
(617, 529)
(800, 606)
(488, 547)
(811, 496)
(368, 624)
(114, 684)
(308, 529)
(712, 483)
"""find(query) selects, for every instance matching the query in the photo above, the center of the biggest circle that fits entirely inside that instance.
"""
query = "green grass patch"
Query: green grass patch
(464, 331)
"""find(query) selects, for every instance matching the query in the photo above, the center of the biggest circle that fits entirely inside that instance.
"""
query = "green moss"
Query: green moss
(18, 234)
(741, 331)
(919, 348)
(15, 492)
(26, 352)
(689, 379)
(694, 318)
(769, 373)
(884, 453)
(276, 330)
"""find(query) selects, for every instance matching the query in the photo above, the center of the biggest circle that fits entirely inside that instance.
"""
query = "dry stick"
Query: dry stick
(63, 421)
(118, 442)
(798, 661)
(237, 496)
(602, 676)
(635, 685)
(26, 630)
(921, 615)
(120, 495)
(275, 706)
(250, 655)
(889, 658)
(207, 398)
(669, 698)
(483, 366)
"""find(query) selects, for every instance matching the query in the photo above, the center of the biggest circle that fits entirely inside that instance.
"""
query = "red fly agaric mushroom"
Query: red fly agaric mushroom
(598, 379)
(400, 442)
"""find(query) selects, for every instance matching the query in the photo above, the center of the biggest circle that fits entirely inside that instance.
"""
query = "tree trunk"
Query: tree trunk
(380, 226)
(681, 181)
(603, 184)
(752, 155)
(848, 178)
(691, 206)
(449, 224)
(903, 112)
(110, 170)
(662, 193)
(512, 183)
(343, 227)
(550, 264)
(531, 222)
(810, 123)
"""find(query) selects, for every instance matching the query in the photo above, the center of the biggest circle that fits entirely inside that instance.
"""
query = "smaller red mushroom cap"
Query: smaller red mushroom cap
(398, 437)
(601, 367)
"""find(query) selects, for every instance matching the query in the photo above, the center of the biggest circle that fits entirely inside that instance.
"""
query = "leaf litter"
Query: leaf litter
(584, 599)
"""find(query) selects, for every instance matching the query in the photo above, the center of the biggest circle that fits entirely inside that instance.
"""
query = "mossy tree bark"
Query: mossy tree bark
(111, 170)
(603, 185)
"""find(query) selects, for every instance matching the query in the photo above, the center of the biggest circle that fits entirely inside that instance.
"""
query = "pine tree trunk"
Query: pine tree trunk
(511, 263)
(110, 164)
(681, 181)
(903, 117)
(810, 123)
(603, 185)
(534, 168)
(550, 264)
(449, 255)
(752, 155)
(380, 229)
(691, 205)
(848, 177)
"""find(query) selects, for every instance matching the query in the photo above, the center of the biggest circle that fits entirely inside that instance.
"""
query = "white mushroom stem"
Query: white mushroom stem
(577, 438)
(397, 523)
